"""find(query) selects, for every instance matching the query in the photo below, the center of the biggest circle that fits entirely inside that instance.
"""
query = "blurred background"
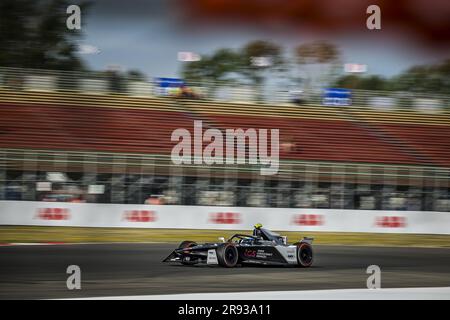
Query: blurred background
(91, 92)
(86, 114)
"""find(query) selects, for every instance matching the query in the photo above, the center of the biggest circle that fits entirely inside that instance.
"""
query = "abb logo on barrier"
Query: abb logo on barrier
(53, 214)
(139, 216)
(390, 222)
(225, 217)
(308, 219)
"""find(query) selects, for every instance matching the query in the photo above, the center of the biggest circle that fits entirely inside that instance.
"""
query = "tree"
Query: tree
(424, 78)
(33, 34)
(15, 33)
(214, 70)
(216, 67)
(135, 75)
(316, 52)
(354, 81)
(258, 57)
(318, 60)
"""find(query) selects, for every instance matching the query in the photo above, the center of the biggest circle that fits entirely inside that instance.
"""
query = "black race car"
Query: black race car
(263, 247)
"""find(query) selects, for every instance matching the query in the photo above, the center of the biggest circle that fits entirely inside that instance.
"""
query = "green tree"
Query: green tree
(422, 79)
(135, 75)
(425, 78)
(33, 34)
(227, 65)
(354, 81)
(259, 56)
(216, 67)
(212, 71)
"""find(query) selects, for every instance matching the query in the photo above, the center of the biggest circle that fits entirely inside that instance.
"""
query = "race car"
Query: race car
(263, 247)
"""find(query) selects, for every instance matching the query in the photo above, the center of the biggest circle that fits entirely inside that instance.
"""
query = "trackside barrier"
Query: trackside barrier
(32, 213)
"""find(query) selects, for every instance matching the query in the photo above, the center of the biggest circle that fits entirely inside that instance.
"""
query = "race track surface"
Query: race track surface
(39, 272)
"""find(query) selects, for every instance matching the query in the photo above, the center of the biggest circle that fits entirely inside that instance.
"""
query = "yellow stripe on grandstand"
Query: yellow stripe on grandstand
(223, 108)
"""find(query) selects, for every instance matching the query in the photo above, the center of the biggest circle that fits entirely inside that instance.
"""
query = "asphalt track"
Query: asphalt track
(39, 272)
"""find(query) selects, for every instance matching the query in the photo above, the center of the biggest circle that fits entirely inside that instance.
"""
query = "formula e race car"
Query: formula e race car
(263, 247)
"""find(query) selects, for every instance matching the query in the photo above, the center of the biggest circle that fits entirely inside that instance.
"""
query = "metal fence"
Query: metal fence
(34, 175)
(137, 189)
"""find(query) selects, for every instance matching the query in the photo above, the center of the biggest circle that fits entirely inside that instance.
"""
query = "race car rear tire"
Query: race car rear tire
(227, 255)
(304, 254)
(186, 259)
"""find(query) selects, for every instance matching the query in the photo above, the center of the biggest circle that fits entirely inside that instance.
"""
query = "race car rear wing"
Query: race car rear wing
(307, 240)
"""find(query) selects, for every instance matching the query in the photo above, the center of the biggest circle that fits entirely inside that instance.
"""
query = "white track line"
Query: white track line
(437, 293)
(31, 244)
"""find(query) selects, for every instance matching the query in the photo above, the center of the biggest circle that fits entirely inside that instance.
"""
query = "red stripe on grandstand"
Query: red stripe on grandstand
(148, 131)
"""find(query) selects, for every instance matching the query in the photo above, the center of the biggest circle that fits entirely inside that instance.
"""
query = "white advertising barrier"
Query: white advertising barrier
(227, 218)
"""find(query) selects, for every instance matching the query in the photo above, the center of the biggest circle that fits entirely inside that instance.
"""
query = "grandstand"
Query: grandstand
(331, 157)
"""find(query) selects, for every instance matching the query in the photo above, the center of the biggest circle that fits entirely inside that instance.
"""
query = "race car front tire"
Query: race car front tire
(227, 255)
(186, 260)
(187, 244)
(304, 254)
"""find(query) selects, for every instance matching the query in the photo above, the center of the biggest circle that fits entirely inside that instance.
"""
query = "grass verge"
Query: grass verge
(11, 234)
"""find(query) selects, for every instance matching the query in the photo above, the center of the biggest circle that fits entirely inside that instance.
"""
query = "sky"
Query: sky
(147, 35)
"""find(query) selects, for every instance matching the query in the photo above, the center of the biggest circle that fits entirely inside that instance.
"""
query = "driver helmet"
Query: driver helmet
(257, 230)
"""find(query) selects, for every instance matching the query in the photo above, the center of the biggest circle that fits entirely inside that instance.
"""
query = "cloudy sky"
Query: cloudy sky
(147, 35)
